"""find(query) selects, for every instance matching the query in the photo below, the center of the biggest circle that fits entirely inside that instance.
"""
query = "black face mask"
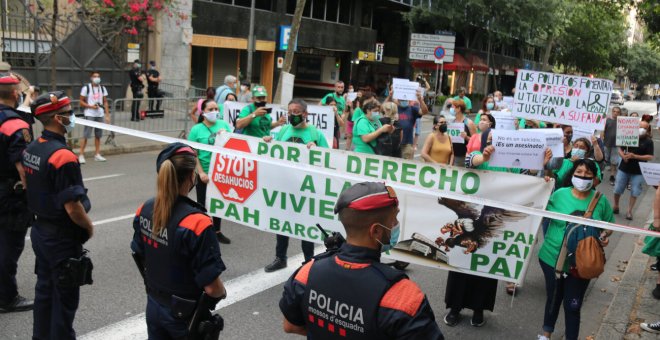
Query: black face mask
(443, 128)
(295, 120)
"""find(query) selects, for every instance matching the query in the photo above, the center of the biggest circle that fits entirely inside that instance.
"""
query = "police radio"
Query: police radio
(332, 241)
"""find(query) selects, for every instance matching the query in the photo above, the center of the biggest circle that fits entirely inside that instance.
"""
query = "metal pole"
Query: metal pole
(442, 68)
(436, 78)
(250, 43)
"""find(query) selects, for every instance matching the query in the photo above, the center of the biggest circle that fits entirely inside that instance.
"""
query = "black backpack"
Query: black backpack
(389, 144)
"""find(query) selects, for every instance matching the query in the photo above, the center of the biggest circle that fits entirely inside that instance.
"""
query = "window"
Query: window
(331, 10)
(243, 3)
(345, 12)
(318, 9)
(367, 12)
(290, 6)
(338, 11)
(307, 12)
(266, 5)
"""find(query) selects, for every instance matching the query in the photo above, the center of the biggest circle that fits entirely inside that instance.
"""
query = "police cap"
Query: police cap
(49, 102)
(171, 150)
(367, 196)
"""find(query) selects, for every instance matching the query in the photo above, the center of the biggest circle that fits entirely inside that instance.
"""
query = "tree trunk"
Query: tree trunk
(53, 41)
(288, 56)
(546, 55)
(487, 65)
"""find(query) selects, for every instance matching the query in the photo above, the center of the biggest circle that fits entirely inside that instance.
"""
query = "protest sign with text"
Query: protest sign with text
(582, 133)
(651, 172)
(504, 120)
(404, 89)
(454, 131)
(564, 99)
(627, 131)
(518, 149)
(554, 139)
(290, 200)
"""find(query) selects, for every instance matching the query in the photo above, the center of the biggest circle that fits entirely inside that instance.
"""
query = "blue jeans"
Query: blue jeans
(570, 290)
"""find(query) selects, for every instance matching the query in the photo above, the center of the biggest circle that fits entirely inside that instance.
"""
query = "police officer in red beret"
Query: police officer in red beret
(58, 198)
(350, 294)
(15, 218)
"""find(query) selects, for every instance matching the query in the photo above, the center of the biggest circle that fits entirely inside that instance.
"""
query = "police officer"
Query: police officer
(177, 251)
(15, 218)
(57, 196)
(137, 84)
(350, 294)
(153, 81)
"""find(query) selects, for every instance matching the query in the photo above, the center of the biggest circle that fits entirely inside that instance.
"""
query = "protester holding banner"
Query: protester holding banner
(458, 108)
(569, 288)
(629, 171)
(368, 127)
(297, 131)
(487, 121)
(437, 147)
(487, 105)
(609, 139)
(255, 119)
(375, 301)
(205, 132)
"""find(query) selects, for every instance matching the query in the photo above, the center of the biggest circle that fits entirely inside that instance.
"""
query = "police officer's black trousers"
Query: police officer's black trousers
(161, 324)
(12, 243)
(200, 189)
(154, 93)
(54, 306)
(283, 244)
(135, 105)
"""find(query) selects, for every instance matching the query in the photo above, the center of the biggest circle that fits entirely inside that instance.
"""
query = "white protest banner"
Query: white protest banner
(291, 200)
(554, 139)
(454, 131)
(582, 133)
(504, 120)
(404, 89)
(508, 102)
(323, 117)
(627, 131)
(560, 98)
(518, 149)
(651, 172)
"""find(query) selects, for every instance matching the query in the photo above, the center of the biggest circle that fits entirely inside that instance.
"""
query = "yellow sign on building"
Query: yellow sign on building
(367, 56)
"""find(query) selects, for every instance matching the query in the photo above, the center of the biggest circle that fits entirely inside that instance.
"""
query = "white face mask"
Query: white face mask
(244, 88)
(96, 80)
(582, 184)
(211, 116)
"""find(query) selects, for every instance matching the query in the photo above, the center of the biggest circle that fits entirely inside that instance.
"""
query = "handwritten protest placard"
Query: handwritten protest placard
(404, 89)
(504, 120)
(518, 149)
(454, 131)
(651, 172)
(554, 139)
(560, 98)
(627, 131)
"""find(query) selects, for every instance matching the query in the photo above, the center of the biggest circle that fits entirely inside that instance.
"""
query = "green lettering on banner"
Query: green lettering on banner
(277, 151)
(312, 233)
(314, 157)
(308, 184)
(389, 170)
(216, 205)
(422, 176)
(274, 224)
(371, 167)
(519, 267)
(474, 185)
(286, 227)
(328, 188)
(262, 148)
(478, 260)
(300, 229)
(269, 199)
(408, 173)
(444, 178)
(297, 205)
(513, 251)
(500, 266)
(353, 164)
(247, 216)
(293, 155)
(326, 209)
(497, 246)
(232, 212)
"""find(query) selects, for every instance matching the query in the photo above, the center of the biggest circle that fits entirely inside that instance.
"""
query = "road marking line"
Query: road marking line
(238, 289)
(106, 221)
(101, 177)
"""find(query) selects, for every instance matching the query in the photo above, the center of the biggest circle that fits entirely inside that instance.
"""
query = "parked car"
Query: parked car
(616, 98)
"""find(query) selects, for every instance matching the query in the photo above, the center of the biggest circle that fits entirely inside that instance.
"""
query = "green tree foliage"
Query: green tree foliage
(643, 64)
(649, 12)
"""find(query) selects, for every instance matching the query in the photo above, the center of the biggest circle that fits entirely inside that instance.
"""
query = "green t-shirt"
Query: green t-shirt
(341, 102)
(301, 136)
(468, 102)
(563, 201)
(259, 126)
(567, 166)
(522, 121)
(201, 133)
(364, 126)
(357, 113)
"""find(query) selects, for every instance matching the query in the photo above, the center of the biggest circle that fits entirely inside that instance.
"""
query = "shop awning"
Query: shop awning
(478, 63)
(459, 64)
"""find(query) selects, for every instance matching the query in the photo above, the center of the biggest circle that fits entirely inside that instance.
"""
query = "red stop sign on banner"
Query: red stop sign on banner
(235, 177)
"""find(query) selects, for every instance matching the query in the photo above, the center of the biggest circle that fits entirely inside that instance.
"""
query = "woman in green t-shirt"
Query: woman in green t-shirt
(205, 133)
(569, 289)
(368, 127)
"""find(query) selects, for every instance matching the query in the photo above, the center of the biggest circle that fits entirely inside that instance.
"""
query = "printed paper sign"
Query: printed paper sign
(508, 102)
(404, 89)
(323, 117)
(350, 96)
(454, 131)
(504, 120)
(518, 149)
(290, 199)
(554, 139)
(651, 172)
(627, 131)
(561, 98)
(582, 133)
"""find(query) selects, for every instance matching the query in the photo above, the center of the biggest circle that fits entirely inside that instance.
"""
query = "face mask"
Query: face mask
(497, 100)
(490, 106)
(483, 126)
(211, 116)
(96, 80)
(138, 65)
(569, 138)
(403, 103)
(71, 125)
(243, 88)
(394, 238)
(375, 115)
(443, 128)
(582, 184)
(642, 132)
(452, 110)
(578, 152)
(295, 120)
(350, 90)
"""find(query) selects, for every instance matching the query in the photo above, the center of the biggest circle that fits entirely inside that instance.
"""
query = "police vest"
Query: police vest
(343, 303)
(41, 194)
(167, 271)
(7, 169)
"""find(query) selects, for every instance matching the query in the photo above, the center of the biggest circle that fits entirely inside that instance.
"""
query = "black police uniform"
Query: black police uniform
(180, 261)
(53, 178)
(152, 89)
(15, 218)
(136, 88)
(351, 295)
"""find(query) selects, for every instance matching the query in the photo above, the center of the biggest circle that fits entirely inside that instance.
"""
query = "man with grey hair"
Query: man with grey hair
(228, 87)
(464, 98)
(297, 131)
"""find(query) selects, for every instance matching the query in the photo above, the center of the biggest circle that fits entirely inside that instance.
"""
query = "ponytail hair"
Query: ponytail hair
(172, 176)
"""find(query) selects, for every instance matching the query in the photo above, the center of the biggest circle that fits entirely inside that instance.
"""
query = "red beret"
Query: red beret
(367, 196)
(8, 79)
(49, 102)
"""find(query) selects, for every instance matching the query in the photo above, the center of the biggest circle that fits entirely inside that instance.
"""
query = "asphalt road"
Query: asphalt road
(119, 186)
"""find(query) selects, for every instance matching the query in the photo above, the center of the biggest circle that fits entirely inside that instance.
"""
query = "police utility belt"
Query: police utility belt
(75, 272)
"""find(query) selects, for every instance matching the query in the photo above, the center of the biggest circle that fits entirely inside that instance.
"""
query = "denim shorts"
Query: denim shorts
(611, 154)
(98, 133)
(622, 179)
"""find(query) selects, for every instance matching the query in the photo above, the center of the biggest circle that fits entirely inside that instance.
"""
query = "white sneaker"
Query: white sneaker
(651, 327)
(99, 158)
(542, 337)
(81, 159)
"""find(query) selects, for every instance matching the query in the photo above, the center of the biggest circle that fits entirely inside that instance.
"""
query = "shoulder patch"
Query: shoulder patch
(197, 223)
(404, 296)
(10, 126)
(303, 273)
(139, 210)
(61, 157)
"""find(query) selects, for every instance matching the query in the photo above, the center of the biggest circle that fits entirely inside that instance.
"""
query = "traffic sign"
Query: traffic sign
(439, 52)
(235, 177)
(380, 48)
(424, 47)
